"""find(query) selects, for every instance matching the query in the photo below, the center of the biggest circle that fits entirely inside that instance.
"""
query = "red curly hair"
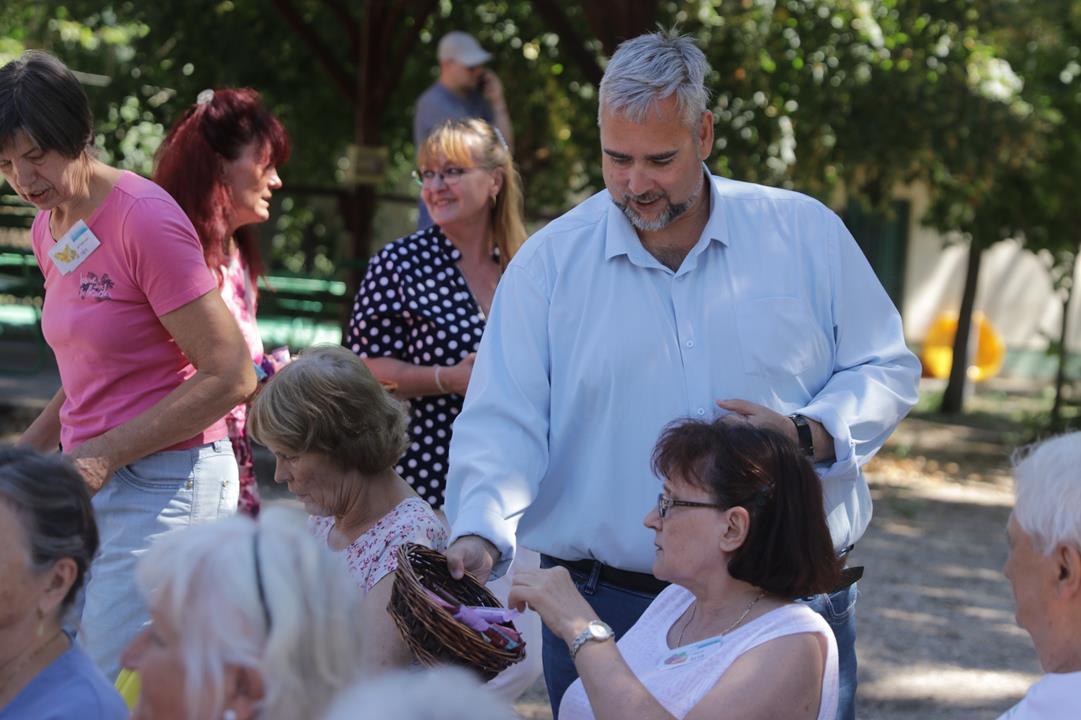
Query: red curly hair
(191, 161)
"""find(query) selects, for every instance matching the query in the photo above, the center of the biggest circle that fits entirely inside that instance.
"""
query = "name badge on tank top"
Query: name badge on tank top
(75, 246)
(689, 654)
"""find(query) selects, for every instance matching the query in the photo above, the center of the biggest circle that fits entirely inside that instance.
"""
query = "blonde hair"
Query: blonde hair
(475, 143)
(327, 401)
(221, 583)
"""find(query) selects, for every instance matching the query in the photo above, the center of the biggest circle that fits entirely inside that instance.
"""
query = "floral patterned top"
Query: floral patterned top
(374, 554)
(238, 292)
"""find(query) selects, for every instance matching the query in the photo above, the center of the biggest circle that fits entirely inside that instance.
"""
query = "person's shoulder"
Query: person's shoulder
(77, 689)
(564, 236)
(730, 189)
(394, 252)
(433, 95)
(134, 187)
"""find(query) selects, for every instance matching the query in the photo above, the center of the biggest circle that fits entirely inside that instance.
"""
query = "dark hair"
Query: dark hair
(52, 503)
(191, 160)
(41, 97)
(788, 550)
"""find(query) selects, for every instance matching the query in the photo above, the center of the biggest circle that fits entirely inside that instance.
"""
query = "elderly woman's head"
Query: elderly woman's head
(1044, 562)
(46, 129)
(48, 538)
(326, 418)
(746, 494)
(444, 693)
(256, 618)
(467, 174)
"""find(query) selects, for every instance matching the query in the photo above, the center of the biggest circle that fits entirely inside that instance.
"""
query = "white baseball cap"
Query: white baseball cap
(461, 47)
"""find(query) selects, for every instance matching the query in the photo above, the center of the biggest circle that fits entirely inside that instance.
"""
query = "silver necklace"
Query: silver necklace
(731, 627)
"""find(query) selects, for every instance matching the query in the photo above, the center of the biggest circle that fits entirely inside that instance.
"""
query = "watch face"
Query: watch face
(599, 632)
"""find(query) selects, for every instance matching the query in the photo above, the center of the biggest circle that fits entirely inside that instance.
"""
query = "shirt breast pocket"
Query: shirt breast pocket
(779, 336)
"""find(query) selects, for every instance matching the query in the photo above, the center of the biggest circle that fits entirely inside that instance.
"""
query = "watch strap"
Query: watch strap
(803, 434)
(589, 634)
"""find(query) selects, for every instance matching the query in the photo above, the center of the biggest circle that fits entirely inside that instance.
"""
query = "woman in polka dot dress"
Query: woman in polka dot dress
(421, 310)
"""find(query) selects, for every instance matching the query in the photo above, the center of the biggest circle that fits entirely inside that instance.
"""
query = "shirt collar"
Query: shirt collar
(621, 238)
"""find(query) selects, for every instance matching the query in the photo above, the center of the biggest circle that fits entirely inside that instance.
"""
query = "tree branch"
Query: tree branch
(338, 74)
(423, 9)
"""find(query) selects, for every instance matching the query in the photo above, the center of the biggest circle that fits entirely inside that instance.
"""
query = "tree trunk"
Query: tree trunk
(954, 397)
(1063, 353)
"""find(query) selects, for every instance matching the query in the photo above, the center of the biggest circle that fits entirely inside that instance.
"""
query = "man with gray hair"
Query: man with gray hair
(672, 293)
(465, 89)
(1044, 570)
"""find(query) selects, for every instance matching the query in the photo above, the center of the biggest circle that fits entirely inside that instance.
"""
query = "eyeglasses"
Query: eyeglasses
(450, 176)
(665, 503)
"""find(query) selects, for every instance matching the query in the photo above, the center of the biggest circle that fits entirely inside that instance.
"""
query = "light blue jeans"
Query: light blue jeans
(160, 493)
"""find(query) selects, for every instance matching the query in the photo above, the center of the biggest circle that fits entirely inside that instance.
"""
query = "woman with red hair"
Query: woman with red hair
(220, 162)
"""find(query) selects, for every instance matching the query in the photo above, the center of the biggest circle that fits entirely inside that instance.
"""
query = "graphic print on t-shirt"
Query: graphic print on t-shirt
(93, 287)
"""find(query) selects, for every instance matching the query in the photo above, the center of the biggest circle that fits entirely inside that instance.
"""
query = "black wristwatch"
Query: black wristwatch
(803, 433)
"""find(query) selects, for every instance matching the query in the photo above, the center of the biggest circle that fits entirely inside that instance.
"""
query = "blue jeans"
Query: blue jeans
(160, 493)
(618, 607)
(839, 610)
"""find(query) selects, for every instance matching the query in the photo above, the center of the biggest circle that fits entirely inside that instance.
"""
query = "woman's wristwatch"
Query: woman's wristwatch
(595, 631)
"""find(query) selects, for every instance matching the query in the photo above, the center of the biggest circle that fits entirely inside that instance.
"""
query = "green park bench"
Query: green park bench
(22, 288)
(301, 311)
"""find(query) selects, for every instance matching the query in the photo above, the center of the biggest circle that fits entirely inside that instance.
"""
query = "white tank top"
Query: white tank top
(679, 678)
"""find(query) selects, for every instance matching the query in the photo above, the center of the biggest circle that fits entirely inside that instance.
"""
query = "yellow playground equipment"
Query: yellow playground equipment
(986, 354)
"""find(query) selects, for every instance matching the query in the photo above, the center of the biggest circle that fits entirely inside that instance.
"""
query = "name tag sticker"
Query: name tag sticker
(689, 654)
(70, 251)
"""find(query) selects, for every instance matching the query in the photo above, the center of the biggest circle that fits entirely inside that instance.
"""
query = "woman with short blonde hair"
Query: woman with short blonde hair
(336, 434)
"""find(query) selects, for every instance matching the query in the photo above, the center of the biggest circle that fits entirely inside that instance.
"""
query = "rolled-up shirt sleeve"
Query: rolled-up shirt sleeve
(876, 377)
(499, 449)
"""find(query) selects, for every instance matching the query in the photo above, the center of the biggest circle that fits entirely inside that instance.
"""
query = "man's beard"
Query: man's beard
(672, 211)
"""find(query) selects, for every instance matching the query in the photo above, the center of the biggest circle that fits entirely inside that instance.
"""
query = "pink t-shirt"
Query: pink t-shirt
(115, 357)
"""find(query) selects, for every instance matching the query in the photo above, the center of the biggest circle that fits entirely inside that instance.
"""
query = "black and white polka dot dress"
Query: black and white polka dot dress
(414, 305)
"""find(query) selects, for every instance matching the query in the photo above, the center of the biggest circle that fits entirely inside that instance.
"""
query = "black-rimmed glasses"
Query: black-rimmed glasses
(665, 503)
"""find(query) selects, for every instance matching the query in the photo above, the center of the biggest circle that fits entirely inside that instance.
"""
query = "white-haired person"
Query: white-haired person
(445, 693)
(249, 619)
(1044, 570)
(336, 435)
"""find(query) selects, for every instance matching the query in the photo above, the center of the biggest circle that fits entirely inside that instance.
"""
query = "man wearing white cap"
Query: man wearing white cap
(465, 89)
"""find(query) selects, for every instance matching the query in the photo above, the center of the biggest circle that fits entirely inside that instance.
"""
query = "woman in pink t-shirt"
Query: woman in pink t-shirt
(150, 359)
(220, 162)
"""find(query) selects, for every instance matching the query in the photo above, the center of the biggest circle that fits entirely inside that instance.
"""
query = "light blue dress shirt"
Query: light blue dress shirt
(593, 346)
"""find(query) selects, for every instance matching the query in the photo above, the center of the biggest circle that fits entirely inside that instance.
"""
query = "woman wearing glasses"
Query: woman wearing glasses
(421, 309)
(740, 534)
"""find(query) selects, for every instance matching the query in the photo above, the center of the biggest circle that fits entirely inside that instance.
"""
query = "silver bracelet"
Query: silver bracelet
(438, 383)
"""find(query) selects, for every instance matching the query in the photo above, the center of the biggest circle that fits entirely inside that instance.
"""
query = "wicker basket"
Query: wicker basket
(433, 634)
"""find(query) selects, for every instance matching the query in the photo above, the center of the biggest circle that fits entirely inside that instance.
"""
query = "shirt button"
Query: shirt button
(690, 343)
(701, 411)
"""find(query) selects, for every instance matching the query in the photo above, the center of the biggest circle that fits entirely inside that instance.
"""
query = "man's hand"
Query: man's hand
(94, 462)
(493, 89)
(762, 417)
(471, 554)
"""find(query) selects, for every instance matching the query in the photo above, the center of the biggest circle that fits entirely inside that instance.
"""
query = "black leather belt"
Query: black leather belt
(624, 579)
